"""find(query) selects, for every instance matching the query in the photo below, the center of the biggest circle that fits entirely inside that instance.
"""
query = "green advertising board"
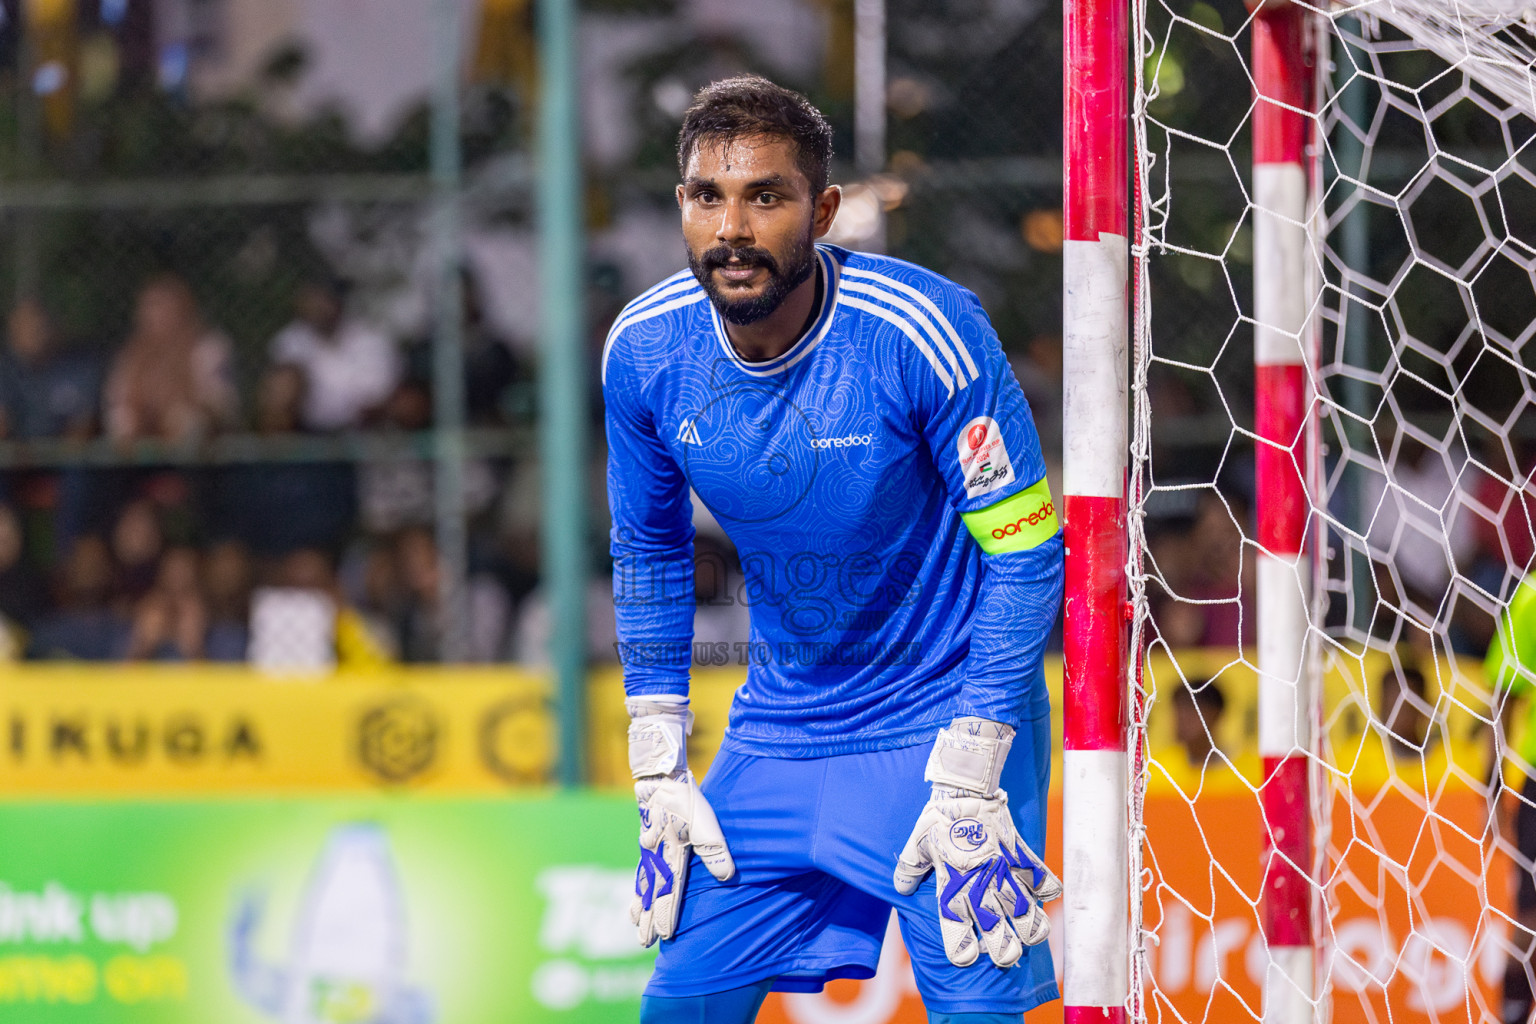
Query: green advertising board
(303, 911)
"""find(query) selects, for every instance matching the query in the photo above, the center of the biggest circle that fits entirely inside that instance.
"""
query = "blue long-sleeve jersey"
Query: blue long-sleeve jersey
(841, 470)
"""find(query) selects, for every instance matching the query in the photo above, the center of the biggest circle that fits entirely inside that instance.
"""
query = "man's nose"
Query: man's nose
(735, 228)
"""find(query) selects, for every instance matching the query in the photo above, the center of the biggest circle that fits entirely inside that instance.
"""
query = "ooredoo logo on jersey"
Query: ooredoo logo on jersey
(984, 462)
(847, 441)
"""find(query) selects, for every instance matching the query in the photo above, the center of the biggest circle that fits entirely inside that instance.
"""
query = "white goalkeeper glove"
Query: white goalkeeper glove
(674, 816)
(988, 879)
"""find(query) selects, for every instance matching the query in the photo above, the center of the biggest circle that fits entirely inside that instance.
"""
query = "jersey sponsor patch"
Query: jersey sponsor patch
(984, 462)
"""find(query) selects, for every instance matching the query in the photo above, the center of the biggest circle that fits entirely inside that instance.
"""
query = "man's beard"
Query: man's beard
(800, 263)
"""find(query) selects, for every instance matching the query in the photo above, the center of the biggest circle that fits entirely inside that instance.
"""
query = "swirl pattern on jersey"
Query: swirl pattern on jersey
(834, 472)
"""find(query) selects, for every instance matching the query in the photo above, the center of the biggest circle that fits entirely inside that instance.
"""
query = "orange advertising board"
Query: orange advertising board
(1421, 893)
(1205, 954)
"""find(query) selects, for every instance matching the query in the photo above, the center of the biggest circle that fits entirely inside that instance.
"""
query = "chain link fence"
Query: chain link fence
(223, 268)
(199, 195)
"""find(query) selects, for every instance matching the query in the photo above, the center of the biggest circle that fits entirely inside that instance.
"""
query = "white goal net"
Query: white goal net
(1410, 254)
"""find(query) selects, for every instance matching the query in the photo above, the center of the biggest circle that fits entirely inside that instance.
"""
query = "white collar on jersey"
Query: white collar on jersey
(831, 275)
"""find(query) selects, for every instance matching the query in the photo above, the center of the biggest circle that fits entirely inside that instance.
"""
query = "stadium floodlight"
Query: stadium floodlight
(1316, 224)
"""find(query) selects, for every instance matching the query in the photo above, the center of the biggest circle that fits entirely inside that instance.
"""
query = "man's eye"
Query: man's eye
(767, 197)
(703, 197)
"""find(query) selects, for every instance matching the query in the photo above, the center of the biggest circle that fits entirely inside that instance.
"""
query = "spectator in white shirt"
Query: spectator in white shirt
(350, 368)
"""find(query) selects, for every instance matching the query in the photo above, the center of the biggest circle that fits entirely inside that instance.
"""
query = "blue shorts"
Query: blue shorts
(815, 841)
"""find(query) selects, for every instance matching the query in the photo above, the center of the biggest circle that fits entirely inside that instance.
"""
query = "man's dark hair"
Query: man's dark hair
(751, 107)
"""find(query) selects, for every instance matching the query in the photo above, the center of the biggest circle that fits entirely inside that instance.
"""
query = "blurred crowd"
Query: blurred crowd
(143, 562)
(1421, 533)
(134, 561)
(1439, 539)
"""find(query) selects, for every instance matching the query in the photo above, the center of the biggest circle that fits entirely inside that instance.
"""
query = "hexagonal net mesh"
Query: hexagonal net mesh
(1412, 253)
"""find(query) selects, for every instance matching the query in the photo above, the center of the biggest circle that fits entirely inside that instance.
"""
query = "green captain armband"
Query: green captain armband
(1024, 521)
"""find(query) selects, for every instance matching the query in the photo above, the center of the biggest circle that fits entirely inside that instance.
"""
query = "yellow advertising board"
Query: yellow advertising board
(1351, 696)
(155, 730)
(168, 730)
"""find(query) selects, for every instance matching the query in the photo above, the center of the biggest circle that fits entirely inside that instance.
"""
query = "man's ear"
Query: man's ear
(827, 205)
(679, 197)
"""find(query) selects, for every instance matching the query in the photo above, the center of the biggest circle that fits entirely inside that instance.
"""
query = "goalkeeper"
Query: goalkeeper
(853, 425)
